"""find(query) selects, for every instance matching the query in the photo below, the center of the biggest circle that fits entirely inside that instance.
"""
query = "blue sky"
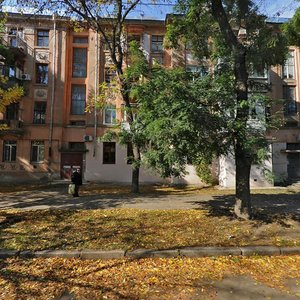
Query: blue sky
(271, 8)
(152, 9)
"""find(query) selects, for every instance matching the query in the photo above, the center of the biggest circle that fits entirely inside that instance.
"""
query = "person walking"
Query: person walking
(76, 178)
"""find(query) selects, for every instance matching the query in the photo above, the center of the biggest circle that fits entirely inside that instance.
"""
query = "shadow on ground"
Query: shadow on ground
(266, 207)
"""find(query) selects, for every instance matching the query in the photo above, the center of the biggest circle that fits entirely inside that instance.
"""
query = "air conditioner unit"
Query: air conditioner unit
(26, 77)
(87, 138)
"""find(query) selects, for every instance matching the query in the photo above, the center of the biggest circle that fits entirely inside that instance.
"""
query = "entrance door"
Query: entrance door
(70, 161)
(293, 165)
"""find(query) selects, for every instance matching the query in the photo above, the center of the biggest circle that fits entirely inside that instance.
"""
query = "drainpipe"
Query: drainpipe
(96, 94)
(52, 97)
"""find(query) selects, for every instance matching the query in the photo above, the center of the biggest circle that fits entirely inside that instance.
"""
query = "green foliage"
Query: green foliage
(230, 33)
(138, 65)
(8, 94)
(182, 119)
(204, 171)
(292, 29)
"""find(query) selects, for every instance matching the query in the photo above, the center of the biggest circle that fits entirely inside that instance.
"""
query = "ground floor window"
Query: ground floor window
(9, 151)
(37, 151)
(109, 153)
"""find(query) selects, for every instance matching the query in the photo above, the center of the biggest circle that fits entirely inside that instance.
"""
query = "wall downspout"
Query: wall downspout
(96, 94)
(52, 98)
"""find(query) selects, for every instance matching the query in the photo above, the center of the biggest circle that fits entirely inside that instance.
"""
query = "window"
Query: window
(37, 151)
(77, 123)
(157, 43)
(109, 153)
(42, 73)
(129, 157)
(197, 71)
(290, 106)
(78, 100)
(43, 38)
(261, 74)
(109, 76)
(79, 62)
(136, 38)
(39, 113)
(12, 111)
(289, 67)
(257, 108)
(110, 114)
(9, 151)
(77, 146)
(80, 40)
(14, 37)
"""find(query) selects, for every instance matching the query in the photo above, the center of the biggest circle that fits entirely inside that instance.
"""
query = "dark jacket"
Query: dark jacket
(76, 178)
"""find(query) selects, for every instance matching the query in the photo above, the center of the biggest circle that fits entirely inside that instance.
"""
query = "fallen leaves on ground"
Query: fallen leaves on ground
(137, 279)
(136, 228)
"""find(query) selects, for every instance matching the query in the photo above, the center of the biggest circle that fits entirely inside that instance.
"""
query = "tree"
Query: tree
(180, 119)
(292, 29)
(106, 18)
(238, 40)
(8, 93)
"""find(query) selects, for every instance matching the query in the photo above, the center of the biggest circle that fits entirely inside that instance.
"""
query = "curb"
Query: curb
(190, 252)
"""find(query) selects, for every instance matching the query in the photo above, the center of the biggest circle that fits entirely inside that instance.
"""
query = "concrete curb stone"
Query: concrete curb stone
(191, 252)
(140, 253)
(166, 253)
(100, 254)
(289, 250)
(260, 250)
(209, 251)
(8, 253)
(57, 253)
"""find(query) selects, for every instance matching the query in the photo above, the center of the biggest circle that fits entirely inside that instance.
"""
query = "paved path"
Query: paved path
(56, 197)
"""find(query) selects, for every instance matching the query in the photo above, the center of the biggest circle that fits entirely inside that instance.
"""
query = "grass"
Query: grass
(135, 228)
(212, 224)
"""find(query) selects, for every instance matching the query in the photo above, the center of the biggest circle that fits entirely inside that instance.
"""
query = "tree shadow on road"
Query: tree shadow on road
(266, 207)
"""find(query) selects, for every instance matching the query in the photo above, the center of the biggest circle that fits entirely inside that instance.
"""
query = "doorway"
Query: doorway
(69, 162)
(293, 167)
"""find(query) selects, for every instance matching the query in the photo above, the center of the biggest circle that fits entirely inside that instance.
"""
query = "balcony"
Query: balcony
(11, 127)
(15, 46)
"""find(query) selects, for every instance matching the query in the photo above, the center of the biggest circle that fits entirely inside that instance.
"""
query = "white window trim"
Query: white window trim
(110, 108)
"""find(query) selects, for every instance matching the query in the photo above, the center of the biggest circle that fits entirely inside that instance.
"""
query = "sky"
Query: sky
(159, 8)
(271, 8)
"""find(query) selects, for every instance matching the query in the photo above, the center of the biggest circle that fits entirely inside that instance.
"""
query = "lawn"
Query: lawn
(179, 278)
(131, 229)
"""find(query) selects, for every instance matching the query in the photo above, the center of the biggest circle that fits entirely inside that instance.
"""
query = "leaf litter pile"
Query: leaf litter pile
(180, 278)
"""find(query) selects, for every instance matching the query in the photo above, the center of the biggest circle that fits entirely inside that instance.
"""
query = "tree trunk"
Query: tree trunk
(243, 159)
(135, 148)
(242, 153)
(242, 207)
(135, 188)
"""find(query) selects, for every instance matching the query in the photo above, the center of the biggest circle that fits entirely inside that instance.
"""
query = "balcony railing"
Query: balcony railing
(14, 127)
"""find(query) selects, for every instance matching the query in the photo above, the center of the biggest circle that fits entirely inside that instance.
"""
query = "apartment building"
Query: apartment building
(51, 132)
